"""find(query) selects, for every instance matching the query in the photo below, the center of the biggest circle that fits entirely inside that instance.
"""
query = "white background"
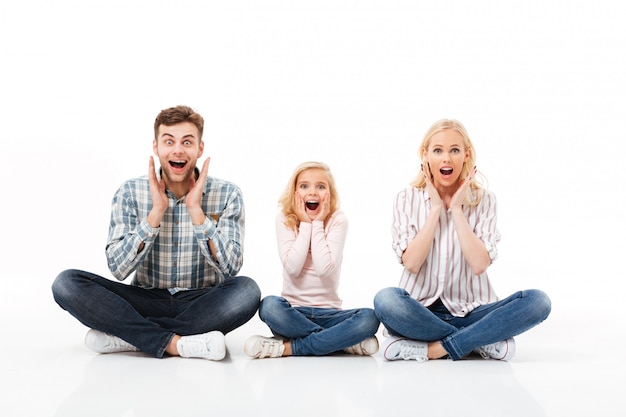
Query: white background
(539, 85)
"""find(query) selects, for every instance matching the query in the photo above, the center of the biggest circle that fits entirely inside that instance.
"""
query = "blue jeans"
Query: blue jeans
(149, 318)
(404, 316)
(317, 331)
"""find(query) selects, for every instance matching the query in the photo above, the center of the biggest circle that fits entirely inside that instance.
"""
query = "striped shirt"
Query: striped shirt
(176, 255)
(445, 274)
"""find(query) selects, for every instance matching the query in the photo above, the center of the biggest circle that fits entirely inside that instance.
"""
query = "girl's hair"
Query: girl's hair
(178, 114)
(286, 200)
(474, 193)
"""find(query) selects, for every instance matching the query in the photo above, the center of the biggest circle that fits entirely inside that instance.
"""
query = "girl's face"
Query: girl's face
(313, 188)
(445, 156)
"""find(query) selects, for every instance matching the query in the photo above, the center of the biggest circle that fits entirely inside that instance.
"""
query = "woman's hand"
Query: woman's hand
(436, 203)
(459, 196)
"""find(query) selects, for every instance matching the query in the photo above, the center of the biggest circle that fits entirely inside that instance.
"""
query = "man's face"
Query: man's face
(178, 148)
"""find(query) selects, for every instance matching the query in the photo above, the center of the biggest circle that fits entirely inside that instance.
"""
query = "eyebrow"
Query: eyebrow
(190, 135)
(436, 145)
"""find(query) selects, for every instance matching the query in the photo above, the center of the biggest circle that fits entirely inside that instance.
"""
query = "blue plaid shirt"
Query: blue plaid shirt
(176, 255)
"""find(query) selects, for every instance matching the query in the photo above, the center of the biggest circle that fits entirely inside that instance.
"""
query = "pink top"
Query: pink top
(311, 259)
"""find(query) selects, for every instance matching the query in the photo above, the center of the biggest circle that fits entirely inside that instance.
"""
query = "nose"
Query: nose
(177, 148)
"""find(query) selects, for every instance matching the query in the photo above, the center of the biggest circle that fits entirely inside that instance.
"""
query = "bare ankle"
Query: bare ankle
(172, 347)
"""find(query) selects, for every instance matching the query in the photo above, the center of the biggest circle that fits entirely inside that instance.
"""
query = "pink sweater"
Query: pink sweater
(311, 260)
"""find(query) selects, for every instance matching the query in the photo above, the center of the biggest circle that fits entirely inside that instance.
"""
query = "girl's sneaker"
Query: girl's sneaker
(260, 347)
(368, 346)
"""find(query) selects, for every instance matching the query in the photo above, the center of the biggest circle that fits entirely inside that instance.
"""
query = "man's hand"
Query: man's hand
(194, 196)
(160, 201)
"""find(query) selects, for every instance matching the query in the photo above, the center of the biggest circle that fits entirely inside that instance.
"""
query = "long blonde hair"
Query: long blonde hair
(474, 193)
(286, 200)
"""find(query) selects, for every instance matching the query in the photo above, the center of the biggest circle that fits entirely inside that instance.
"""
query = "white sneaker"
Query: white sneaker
(395, 348)
(368, 346)
(260, 347)
(105, 343)
(503, 350)
(211, 345)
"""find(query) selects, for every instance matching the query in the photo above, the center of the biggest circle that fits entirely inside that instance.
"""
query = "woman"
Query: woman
(445, 236)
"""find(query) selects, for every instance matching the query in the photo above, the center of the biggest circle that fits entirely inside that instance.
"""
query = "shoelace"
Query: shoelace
(491, 351)
(113, 342)
(408, 351)
(485, 351)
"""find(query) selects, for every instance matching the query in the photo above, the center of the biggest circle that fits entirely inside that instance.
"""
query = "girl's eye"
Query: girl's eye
(437, 150)
(303, 186)
(456, 150)
(321, 187)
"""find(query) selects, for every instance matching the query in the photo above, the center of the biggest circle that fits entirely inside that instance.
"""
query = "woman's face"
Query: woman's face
(312, 187)
(444, 158)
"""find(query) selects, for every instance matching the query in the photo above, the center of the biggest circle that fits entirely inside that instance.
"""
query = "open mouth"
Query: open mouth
(312, 205)
(446, 171)
(178, 164)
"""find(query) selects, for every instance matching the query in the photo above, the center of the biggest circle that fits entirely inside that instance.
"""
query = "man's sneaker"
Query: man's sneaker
(105, 343)
(260, 347)
(211, 345)
(503, 350)
(395, 348)
(368, 346)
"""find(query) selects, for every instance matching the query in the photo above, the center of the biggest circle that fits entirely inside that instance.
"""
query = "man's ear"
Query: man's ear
(200, 149)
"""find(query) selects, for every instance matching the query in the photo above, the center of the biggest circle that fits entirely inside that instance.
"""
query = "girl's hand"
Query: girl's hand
(300, 209)
(459, 195)
(325, 209)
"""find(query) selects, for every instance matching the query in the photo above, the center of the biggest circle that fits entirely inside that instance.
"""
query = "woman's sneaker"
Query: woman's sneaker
(105, 343)
(368, 346)
(503, 350)
(211, 345)
(260, 347)
(395, 348)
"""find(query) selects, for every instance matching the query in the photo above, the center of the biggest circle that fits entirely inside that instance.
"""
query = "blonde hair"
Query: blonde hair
(474, 192)
(286, 200)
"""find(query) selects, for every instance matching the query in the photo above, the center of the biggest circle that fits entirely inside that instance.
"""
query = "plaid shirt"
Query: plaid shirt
(176, 255)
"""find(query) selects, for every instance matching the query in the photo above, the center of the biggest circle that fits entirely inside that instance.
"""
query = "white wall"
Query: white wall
(538, 84)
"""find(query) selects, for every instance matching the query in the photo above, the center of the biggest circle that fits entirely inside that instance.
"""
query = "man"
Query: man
(181, 234)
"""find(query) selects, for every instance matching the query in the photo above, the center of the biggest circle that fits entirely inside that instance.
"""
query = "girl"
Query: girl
(307, 319)
(445, 235)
